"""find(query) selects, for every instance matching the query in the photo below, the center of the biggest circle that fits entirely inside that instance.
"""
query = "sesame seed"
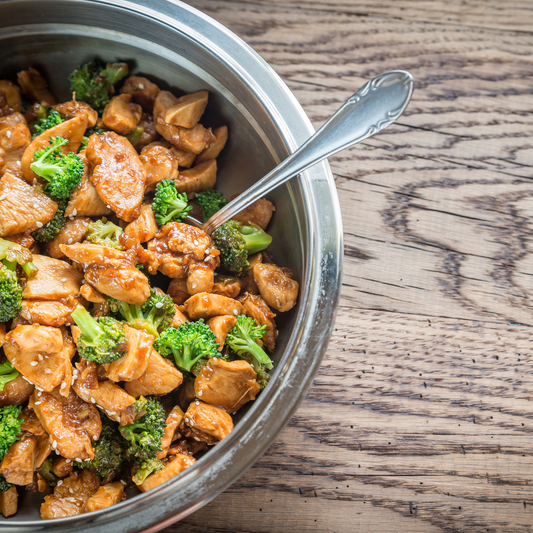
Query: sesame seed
(109, 207)
(74, 212)
(39, 224)
(37, 403)
(3, 197)
(40, 357)
(186, 420)
(69, 240)
(196, 438)
(141, 86)
(47, 370)
(18, 163)
(93, 400)
(78, 460)
(159, 305)
(95, 437)
(118, 419)
(8, 134)
(60, 482)
(113, 413)
(236, 312)
(70, 490)
(197, 402)
(30, 382)
(63, 385)
(191, 423)
(54, 444)
(195, 243)
(36, 205)
(68, 461)
(33, 363)
(200, 392)
(194, 285)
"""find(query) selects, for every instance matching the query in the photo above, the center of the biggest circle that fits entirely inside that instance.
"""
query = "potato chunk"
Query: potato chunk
(23, 208)
(276, 287)
(177, 464)
(106, 496)
(9, 502)
(214, 149)
(207, 423)
(13, 143)
(205, 305)
(228, 385)
(188, 109)
(34, 86)
(121, 114)
(118, 174)
(142, 91)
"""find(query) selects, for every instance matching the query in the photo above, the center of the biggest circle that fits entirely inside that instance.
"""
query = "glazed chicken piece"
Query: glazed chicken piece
(118, 174)
(13, 142)
(149, 133)
(213, 150)
(110, 271)
(108, 396)
(44, 449)
(206, 305)
(197, 179)
(186, 394)
(177, 464)
(62, 467)
(228, 385)
(71, 233)
(72, 130)
(31, 423)
(172, 422)
(258, 213)
(121, 114)
(256, 307)
(72, 424)
(159, 378)
(106, 496)
(207, 423)
(229, 286)
(144, 228)
(142, 91)
(5, 108)
(9, 501)
(247, 282)
(179, 318)
(18, 463)
(70, 498)
(12, 94)
(54, 280)
(85, 201)
(177, 290)
(16, 392)
(23, 208)
(34, 86)
(49, 313)
(134, 363)
(193, 139)
(276, 286)
(92, 295)
(221, 326)
(187, 110)
(184, 159)
(159, 164)
(73, 108)
(27, 350)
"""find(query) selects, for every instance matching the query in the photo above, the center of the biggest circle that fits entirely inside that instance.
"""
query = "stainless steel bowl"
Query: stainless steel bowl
(183, 49)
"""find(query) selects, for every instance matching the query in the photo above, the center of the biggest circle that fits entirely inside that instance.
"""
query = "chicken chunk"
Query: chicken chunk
(105, 394)
(12, 94)
(205, 305)
(44, 449)
(149, 133)
(70, 498)
(73, 108)
(9, 502)
(118, 174)
(49, 313)
(62, 467)
(229, 286)
(134, 363)
(145, 227)
(36, 338)
(179, 318)
(22, 207)
(177, 464)
(177, 290)
(247, 282)
(142, 91)
(213, 150)
(110, 271)
(276, 287)
(256, 307)
(259, 213)
(16, 392)
(47, 370)
(159, 378)
(92, 295)
(207, 423)
(121, 114)
(85, 201)
(193, 139)
(172, 422)
(34, 86)
(221, 326)
(159, 164)
(72, 424)
(31, 423)
(71, 233)
(54, 280)
(12, 120)
(227, 385)
(72, 130)
(187, 110)
(13, 143)
(197, 179)
(184, 159)
(106, 496)
(18, 463)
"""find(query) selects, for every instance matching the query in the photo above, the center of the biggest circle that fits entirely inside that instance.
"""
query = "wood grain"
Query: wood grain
(421, 416)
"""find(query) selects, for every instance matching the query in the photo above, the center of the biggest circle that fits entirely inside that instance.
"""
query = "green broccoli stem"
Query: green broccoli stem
(186, 359)
(146, 325)
(7, 373)
(30, 269)
(249, 345)
(255, 238)
(10, 265)
(135, 136)
(114, 72)
(88, 325)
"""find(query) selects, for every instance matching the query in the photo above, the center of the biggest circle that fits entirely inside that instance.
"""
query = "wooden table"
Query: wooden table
(421, 417)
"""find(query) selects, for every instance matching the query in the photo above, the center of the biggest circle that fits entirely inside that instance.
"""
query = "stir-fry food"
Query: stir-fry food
(128, 338)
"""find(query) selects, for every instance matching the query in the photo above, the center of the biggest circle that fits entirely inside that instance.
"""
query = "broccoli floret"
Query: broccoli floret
(7, 373)
(88, 133)
(9, 427)
(93, 83)
(236, 242)
(169, 205)
(242, 340)
(12, 254)
(210, 201)
(52, 228)
(153, 316)
(52, 118)
(144, 436)
(103, 340)
(109, 451)
(147, 468)
(47, 471)
(105, 233)
(10, 294)
(4, 485)
(135, 136)
(188, 343)
(62, 172)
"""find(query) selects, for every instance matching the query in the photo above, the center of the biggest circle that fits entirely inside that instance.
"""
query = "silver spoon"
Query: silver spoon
(376, 105)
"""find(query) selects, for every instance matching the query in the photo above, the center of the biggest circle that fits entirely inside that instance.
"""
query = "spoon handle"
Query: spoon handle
(376, 105)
